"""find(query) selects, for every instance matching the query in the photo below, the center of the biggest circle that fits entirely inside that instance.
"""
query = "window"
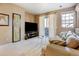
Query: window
(46, 22)
(67, 20)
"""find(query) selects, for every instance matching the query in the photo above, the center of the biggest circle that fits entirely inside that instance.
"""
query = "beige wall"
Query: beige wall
(77, 11)
(77, 19)
(6, 31)
(37, 19)
(29, 17)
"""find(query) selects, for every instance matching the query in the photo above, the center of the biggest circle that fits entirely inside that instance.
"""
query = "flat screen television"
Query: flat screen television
(29, 27)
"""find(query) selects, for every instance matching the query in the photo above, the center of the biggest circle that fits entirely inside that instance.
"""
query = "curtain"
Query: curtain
(41, 26)
(52, 25)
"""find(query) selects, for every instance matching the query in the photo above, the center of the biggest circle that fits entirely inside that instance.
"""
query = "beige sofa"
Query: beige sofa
(56, 50)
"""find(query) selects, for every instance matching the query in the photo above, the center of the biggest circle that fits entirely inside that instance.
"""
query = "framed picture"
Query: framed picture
(16, 27)
(4, 19)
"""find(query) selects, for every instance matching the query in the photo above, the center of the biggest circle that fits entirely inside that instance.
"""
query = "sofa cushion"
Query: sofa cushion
(56, 50)
(62, 43)
(58, 42)
(72, 42)
(54, 41)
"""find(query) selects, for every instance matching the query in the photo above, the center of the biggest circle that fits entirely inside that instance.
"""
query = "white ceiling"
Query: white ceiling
(38, 8)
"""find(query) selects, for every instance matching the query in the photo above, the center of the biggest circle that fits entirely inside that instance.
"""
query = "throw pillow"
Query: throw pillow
(73, 43)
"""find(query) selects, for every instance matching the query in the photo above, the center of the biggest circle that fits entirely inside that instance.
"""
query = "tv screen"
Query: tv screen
(30, 27)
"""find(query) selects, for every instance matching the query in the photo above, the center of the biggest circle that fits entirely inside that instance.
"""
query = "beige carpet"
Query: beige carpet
(30, 47)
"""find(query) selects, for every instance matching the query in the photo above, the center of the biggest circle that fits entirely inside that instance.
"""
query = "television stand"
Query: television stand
(31, 34)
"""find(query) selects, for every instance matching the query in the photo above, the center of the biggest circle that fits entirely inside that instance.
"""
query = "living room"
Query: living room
(31, 29)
